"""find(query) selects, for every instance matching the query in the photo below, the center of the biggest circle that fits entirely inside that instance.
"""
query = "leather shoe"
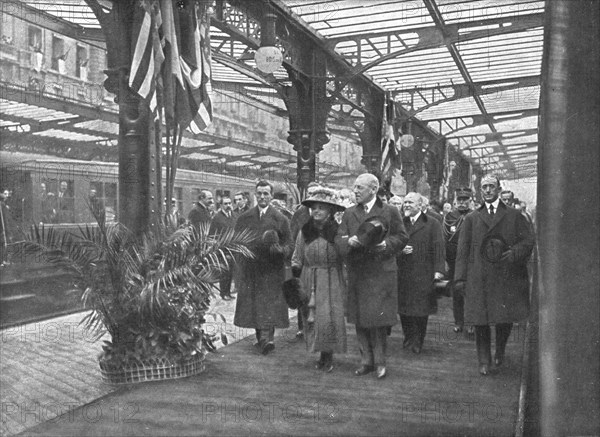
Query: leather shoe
(484, 369)
(498, 360)
(381, 372)
(363, 370)
(267, 348)
(457, 329)
(227, 297)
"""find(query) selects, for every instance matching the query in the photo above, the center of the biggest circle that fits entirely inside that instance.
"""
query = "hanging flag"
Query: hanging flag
(147, 56)
(194, 109)
(390, 155)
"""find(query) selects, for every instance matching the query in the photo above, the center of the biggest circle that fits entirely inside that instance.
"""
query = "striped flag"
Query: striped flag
(174, 42)
(147, 56)
(194, 109)
(390, 155)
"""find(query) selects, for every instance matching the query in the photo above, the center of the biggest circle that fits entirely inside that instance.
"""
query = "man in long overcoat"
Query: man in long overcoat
(260, 303)
(493, 249)
(421, 262)
(372, 273)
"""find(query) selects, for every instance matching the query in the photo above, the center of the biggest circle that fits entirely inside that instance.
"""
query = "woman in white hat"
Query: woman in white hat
(317, 262)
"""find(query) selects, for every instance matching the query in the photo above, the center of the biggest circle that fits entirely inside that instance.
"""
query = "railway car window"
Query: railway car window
(103, 195)
(58, 202)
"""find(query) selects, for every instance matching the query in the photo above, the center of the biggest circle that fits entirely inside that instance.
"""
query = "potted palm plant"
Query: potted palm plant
(149, 293)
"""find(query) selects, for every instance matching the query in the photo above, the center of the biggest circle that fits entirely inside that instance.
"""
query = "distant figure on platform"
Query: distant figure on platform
(494, 245)
(65, 203)
(397, 202)
(447, 209)
(372, 271)
(317, 262)
(427, 209)
(452, 224)
(508, 197)
(260, 304)
(8, 229)
(421, 262)
(223, 220)
(201, 212)
(241, 203)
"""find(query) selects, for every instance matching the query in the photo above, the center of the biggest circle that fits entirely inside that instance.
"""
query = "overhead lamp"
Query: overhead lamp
(268, 57)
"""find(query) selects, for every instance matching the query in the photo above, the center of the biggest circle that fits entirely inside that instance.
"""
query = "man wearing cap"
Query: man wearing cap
(452, 224)
(260, 304)
(494, 245)
(421, 262)
(372, 271)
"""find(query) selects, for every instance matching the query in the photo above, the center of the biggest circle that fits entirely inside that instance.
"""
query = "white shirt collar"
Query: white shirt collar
(262, 210)
(369, 205)
(495, 203)
(415, 218)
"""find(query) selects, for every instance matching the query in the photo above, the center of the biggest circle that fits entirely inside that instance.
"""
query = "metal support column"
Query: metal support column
(568, 214)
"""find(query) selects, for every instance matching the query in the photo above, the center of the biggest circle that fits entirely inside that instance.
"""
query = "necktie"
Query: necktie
(491, 210)
(261, 214)
(366, 209)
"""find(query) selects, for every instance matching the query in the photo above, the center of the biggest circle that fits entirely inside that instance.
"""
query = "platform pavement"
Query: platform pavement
(51, 366)
(436, 393)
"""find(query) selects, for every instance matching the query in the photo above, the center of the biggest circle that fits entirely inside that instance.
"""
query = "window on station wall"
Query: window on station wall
(81, 63)
(59, 56)
(34, 39)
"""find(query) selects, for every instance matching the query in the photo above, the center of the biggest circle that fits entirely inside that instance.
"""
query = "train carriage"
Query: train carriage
(58, 192)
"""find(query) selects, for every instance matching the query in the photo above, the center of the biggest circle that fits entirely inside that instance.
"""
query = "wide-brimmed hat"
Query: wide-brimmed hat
(372, 231)
(492, 248)
(294, 294)
(326, 196)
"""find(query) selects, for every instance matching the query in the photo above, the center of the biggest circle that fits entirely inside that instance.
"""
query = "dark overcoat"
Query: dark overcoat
(221, 222)
(372, 274)
(260, 303)
(199, 214)
(416, 295)
(494, 292)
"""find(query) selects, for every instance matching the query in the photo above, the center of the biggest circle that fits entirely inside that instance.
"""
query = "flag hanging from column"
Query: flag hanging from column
(171, 49)
(390, 155)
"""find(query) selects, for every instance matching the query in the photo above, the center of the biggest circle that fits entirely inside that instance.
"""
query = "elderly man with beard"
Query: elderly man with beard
(494, 245)
(421, 263)
(372, 273)
(452, 224)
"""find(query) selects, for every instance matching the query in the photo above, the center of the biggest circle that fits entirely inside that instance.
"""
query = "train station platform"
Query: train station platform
(51, 386)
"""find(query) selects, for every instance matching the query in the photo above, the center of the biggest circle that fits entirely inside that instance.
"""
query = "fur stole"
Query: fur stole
(328, 232)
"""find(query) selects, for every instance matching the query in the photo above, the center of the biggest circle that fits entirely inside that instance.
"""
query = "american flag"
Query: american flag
(390, 155)
(171, 52)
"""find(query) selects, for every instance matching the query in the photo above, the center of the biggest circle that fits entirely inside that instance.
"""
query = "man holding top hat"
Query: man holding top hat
(370, 236)
(260, 303)
(494, 246)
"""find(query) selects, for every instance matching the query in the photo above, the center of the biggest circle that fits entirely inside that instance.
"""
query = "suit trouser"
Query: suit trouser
(372, 343)
(458, 307)
(414, 328)
(483, 340)
(225, 284)
(265, 336)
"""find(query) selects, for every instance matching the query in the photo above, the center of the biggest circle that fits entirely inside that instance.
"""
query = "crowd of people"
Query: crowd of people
(372, 259)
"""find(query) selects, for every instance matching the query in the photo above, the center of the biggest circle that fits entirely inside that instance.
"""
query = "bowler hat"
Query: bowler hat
(492, 248)
(294, 293)
(326, 196)
(463, 192)
(372, 231)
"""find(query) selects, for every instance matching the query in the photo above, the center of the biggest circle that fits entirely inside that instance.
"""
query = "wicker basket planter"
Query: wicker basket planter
(152, 370)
